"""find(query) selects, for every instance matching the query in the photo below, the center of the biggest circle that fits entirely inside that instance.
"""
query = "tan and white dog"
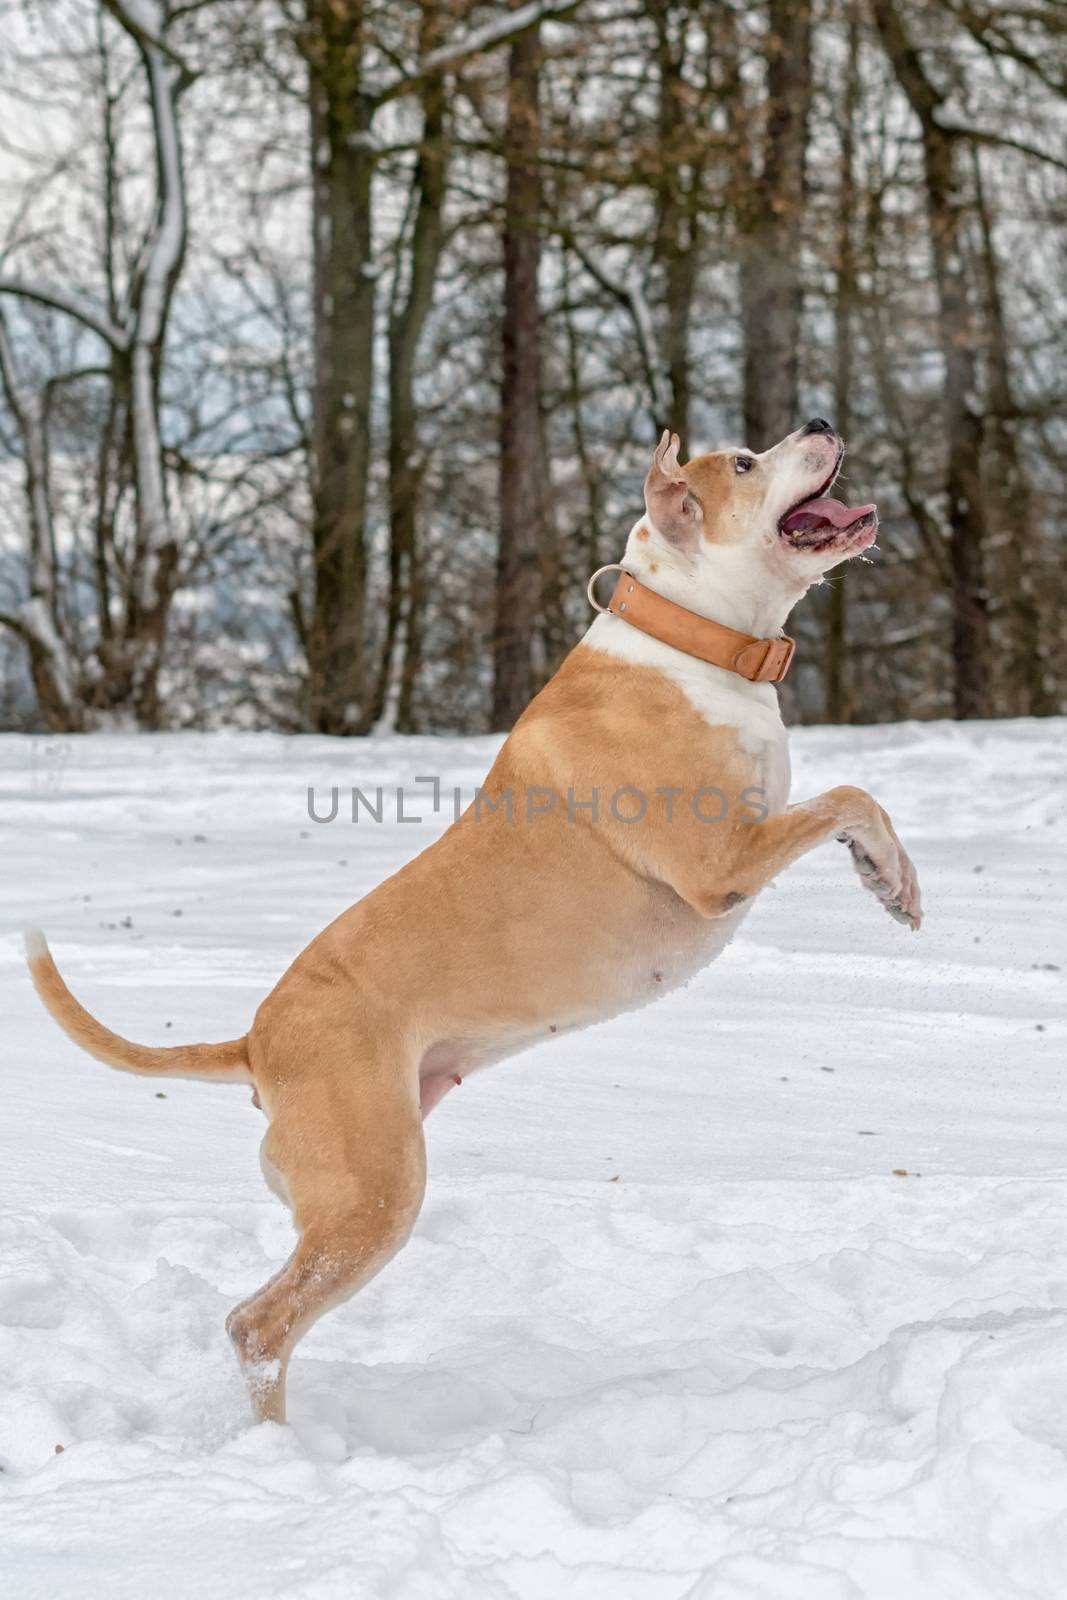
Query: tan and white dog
(527, 918)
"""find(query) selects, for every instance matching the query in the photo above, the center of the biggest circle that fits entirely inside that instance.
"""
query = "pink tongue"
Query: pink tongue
(831, 511)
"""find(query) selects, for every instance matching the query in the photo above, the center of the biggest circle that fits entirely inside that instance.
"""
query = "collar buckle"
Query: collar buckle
(777, 660)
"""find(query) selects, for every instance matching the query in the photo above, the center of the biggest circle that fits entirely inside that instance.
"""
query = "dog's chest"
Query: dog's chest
(720, 699)
(677, 942)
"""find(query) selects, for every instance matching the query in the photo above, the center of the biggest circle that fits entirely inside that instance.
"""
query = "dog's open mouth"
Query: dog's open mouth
(822, 523)
(817, 524)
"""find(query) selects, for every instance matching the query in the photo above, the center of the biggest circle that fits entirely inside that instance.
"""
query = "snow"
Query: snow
(670, 1325)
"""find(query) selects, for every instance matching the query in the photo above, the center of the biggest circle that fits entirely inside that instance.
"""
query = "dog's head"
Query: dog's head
(775, 506)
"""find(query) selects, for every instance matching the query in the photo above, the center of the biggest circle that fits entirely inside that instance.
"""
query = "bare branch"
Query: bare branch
(629, 294)
(72, 305)
(9, 619)
(479, 40)
(1003, 141)
(144, 21)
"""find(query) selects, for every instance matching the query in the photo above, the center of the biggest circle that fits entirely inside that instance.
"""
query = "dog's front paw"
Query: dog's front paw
(889, 873)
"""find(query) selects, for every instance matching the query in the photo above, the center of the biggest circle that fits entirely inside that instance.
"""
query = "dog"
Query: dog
(630, 819)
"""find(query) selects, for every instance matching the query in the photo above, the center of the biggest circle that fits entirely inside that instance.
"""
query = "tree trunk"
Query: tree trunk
(675, 249)
(967, 512)
(525, 529)
(400, 649)
(770, 216)
(591, 532)
(343, 343)
(838, 688)
(38, 622)
(1028, 672)
(155, 563)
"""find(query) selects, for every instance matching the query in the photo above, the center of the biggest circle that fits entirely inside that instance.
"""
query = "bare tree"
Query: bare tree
(334, 42)
(1027, 669)
(612, 212)
(408, 313)
(132, 329)
(770, 203)
(38, 621)
(684, 108)
(838, 696)
(345, 97)
(524, 513)
(967, 513)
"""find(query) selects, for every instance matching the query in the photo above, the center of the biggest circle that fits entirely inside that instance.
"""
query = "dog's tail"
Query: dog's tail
(228, 1060)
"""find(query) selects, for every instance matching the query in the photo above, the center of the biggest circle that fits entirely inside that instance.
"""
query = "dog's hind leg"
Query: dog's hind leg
(351, 1162)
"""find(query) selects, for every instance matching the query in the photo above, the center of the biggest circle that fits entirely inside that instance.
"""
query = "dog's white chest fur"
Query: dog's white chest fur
(722, 699)
(675, 950)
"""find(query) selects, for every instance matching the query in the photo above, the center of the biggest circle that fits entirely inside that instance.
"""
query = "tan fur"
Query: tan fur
(210, 1061)
(501, 933)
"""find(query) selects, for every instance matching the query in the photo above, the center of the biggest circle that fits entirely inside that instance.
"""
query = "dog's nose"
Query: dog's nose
(818, 425)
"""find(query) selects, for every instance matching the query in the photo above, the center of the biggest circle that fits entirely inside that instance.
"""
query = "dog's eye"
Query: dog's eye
(743, 464)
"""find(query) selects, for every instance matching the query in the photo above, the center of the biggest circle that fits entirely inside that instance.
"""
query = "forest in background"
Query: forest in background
(335, 336)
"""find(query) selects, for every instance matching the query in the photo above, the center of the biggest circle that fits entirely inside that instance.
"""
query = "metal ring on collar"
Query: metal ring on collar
(612, 566)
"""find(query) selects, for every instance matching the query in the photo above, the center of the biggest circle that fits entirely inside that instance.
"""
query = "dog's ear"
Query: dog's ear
(672, 508)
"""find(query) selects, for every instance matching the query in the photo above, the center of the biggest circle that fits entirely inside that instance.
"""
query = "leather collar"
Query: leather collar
(758, 660)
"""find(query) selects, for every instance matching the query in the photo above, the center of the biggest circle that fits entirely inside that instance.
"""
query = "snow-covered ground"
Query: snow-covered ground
(759, 1294)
